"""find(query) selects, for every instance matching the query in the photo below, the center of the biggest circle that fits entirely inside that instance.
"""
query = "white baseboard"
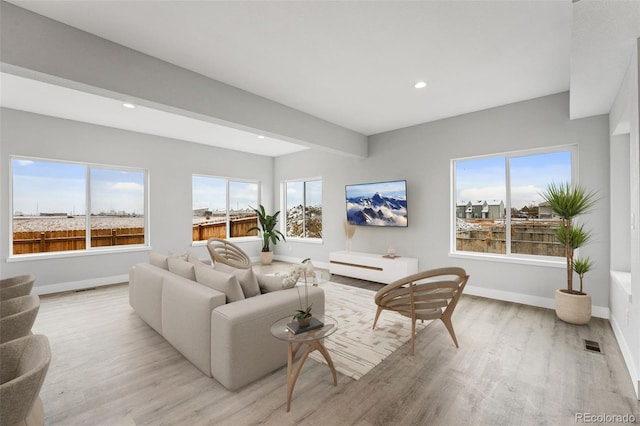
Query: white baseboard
(627, 355)
(79, 285)
(525, 299)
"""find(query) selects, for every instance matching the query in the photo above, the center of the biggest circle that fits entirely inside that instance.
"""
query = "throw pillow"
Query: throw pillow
(248, 282)
(269, 283)
(196, 261)
(246, 277)
(182, 268)
(159, 260)
(221, 281)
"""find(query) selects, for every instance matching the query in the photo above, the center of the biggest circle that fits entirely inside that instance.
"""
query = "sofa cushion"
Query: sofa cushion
(159, 260)
(248, 282)
(182, 268)
(186, 319)
(196, 261)
(269, 283)
(246, 277)
(221, 281)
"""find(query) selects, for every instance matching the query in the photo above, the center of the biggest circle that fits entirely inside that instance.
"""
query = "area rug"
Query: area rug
(355, 348)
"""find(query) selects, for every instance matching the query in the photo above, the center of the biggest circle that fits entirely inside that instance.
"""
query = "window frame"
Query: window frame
(508, 257)
(88, 250)
(283, 223)
(227, 198)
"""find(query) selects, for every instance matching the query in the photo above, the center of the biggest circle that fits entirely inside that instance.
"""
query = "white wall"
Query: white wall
(421, 154)
(170, 164)
(625, 226)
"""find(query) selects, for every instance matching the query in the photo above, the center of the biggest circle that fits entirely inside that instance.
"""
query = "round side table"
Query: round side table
(313, 340)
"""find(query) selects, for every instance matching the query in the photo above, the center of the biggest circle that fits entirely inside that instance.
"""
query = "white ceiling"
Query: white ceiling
(355, 63)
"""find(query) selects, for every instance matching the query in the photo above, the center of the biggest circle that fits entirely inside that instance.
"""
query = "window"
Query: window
(498, 207)
(223, 208)
(303, 201)
(51, 199)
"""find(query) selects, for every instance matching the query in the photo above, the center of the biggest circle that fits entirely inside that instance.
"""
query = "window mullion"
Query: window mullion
(304, 209)
(228, 218)
(87, 208)
(507, 228)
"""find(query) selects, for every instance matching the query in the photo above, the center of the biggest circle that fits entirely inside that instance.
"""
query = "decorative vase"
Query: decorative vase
(266, 257)
(573, 308)
(304, 322)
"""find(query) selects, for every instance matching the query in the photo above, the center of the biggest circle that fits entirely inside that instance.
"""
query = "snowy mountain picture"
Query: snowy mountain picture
(377, 204)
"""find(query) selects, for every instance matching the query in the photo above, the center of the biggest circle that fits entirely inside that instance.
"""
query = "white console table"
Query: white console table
(371, 267)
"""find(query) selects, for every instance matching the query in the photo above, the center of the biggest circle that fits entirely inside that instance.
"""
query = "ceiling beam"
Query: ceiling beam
(38, 47)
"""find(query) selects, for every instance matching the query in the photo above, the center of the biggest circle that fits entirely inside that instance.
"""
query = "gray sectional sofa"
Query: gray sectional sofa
(206, 315)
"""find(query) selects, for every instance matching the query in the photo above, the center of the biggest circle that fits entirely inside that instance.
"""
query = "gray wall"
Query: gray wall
(170, 164)
(421, 154)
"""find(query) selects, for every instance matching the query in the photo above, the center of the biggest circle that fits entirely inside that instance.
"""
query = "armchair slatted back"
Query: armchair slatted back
(222, 251)
(427, 295)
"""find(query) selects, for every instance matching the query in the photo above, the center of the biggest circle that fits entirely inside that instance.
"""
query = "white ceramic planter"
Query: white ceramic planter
(573, 308)
(266, 257)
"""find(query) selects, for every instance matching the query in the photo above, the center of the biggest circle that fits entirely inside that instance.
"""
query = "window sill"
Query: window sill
(76, 253)
(304, 240)
(523, 260)
(232, 240)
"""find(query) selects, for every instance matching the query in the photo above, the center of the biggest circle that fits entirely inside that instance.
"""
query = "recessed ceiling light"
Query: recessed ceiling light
(128, 105)
(260, 137)
(420, 85)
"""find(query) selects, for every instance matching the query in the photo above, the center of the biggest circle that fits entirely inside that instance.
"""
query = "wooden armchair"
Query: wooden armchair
(427, 295)
(222, 251)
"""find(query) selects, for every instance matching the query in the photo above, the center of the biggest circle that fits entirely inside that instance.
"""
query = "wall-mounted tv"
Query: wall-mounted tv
(377, 204)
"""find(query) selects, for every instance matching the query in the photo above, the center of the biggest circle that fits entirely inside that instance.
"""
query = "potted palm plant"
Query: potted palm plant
(568, 201)
(270, 235)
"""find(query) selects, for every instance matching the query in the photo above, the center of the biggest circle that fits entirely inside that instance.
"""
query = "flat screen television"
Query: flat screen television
(377, 204)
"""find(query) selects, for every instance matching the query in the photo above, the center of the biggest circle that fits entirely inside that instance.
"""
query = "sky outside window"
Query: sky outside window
(484, 179)
(117, 191)
(243, 195)
(314, 193)
(48, 187)
(209, 193)
(530, 176)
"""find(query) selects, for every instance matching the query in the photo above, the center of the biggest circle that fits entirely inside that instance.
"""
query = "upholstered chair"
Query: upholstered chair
(222, 251)
(20, 285)
(23, 366)
(17, 316)
(427, 295)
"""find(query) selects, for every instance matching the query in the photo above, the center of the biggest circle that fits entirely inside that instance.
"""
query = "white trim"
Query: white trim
(88, 166)
(573, 149)
(76, 253)
(546, 261)
(525, 299)
(80, 285)
(627, 356)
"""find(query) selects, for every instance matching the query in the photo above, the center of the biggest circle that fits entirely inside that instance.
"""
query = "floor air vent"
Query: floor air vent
(591, 346)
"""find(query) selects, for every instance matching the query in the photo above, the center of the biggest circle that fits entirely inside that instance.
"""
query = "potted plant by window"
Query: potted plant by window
(568, 201)
(270, 235)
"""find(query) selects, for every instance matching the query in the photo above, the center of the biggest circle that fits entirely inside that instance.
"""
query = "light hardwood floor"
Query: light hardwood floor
(516, 365)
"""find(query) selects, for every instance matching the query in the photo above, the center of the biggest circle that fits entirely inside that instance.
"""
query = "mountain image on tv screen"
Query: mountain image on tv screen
(377, 204)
